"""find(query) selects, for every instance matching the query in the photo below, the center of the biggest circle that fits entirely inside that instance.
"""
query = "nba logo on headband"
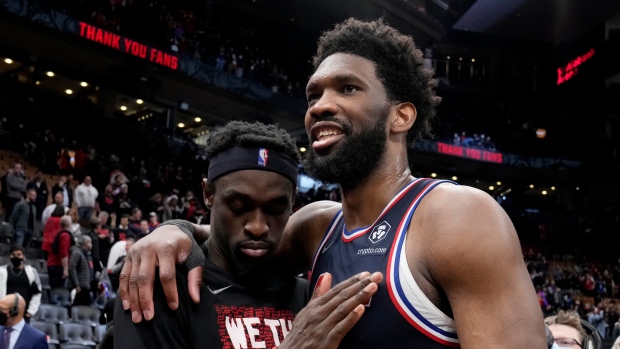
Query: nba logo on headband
(263, 156)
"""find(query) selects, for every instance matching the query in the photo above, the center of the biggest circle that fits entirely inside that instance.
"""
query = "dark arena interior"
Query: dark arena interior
(126, 93)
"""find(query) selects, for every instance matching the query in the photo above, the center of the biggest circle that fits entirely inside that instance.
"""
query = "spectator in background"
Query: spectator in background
(23, 279)
(21, 335)
(58, 202)
(156, 204)
(597, 318)
(16, 187)
(104, 217)
(122, 202)
(23, 218)
(63, 186)
(153, 221)
(85, 198)
(51, 227)
(135, 219)
(144, 229)
(76, 228)
(105, 236)
(58, 253)
(91, 229)
(116, 259)
(105, 200)
(122, 231)
(171, 210)
(39, 184)
(566, 329)
(81, 271)
(117, 179)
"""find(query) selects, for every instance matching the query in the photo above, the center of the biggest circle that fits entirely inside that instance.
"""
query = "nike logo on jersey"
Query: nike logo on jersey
(219, 289)
(327, 247)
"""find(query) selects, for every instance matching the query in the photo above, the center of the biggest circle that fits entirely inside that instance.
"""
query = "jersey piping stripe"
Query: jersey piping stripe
(354, 234)
(402, 304)
(330, 231)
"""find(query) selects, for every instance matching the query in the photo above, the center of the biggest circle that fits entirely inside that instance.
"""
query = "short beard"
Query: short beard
(358, 157)
(254, 276)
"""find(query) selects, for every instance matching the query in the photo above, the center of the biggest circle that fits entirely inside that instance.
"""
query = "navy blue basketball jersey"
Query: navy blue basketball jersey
(399, 314)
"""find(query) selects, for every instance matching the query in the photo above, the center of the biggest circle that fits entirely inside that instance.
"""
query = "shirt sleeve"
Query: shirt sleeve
(167, 329)
(65, 245)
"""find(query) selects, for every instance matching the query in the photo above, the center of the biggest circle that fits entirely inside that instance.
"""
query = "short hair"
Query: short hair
(31, 190)
(83, 239)
(570, 319)
(94, 223)
(134, 210)
(398, 62)
(59, 211)
(125, 215)
(65, 221)
(14, 248)
(250, 135)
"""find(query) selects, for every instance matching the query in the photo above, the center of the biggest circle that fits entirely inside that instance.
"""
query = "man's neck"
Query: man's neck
(362, 205)
(215, 255)
(21, 266)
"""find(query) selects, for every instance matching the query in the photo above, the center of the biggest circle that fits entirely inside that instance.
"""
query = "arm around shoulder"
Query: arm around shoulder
(475, 258)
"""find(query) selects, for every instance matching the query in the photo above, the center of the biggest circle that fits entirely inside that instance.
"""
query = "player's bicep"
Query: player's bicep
(480, 268)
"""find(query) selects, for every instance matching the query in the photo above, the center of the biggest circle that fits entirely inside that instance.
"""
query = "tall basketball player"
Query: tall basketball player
(454, 271)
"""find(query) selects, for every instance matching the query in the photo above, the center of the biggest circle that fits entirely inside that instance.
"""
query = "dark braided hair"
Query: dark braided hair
(399, 65)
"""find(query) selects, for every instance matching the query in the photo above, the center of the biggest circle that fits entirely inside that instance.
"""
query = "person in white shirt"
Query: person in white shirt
(118, 250)
(85, 198)
(116, 260)
(59, 198)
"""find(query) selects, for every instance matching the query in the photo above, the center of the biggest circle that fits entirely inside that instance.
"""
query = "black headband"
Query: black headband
(238, 158)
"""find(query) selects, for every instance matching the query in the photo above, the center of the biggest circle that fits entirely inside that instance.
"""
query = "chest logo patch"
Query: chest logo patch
(379, 232)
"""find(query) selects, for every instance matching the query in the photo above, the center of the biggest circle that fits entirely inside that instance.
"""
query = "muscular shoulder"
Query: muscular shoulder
(305, 229)
(318, 213)
(460, 223)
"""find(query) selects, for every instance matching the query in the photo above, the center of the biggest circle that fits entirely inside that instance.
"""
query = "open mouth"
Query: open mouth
(325, 134)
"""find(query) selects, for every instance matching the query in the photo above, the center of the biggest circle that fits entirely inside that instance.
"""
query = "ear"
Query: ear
(404, 117)
(207, 194)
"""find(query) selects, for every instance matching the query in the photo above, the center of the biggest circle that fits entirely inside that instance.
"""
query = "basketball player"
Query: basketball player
(454, 271)
(253, 176)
